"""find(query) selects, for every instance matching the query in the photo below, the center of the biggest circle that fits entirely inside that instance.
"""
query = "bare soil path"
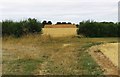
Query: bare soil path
(106, 56)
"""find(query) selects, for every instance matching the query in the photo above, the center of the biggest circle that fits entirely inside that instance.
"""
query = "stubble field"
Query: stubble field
(59, 32)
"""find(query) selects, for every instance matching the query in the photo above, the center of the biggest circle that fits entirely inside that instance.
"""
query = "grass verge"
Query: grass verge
(22, 66)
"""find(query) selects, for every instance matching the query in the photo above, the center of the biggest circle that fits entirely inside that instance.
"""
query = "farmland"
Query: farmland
(106, 55)
(59, 32)
(60, 26)
(46, 55)
(111, 51)
(34, 48)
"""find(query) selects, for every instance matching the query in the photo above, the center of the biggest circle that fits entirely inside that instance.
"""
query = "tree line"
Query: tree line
(24, 27)
(86, 28)
(98, 29)
(50, 23)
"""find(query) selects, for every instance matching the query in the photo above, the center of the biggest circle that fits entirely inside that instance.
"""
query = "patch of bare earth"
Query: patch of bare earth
(106, 56)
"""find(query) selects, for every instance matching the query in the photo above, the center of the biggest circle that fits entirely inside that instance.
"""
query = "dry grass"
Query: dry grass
(41, 55)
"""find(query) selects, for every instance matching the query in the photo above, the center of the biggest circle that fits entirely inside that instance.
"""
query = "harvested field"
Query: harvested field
(107, 57)
(61, 26)
(60, 32)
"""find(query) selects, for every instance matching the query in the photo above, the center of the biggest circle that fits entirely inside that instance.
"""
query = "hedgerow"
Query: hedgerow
(17, 29)
(99, 29)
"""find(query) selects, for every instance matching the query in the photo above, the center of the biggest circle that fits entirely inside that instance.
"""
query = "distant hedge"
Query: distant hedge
(18, 29)
(99, 29)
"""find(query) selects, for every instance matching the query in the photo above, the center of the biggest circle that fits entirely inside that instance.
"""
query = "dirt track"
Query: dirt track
(106, 55)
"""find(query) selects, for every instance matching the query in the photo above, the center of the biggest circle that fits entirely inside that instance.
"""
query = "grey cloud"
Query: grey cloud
(60, 10)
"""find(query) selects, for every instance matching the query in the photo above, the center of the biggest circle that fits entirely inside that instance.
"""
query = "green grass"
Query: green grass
(22, 66)
(88, 45)
(89, 65)
(86, 62)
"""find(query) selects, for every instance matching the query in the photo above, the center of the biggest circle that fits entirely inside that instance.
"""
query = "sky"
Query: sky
(60, 10)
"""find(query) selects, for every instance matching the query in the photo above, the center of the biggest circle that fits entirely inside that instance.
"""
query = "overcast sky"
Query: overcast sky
(60, 10)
